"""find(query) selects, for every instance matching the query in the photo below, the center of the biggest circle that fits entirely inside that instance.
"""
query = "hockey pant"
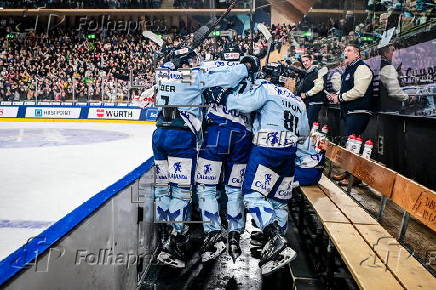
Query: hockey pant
(307, 176)
(223, 148)
(267, 186)
(175, 157)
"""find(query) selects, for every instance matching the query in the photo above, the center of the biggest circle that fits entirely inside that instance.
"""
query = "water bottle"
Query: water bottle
(350, 141)
(325, 130)
(367, 149)
(322, 137)
(315, 128)
(358, 145)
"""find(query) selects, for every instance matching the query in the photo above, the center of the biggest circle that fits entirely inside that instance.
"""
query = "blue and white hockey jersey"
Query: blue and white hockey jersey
(307, 156)
(220, 114)
(281, 120)
(182, 89)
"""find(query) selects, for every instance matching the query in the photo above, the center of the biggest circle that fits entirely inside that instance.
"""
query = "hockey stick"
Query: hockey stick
(265, 32)
(153, 37)
(203, 32)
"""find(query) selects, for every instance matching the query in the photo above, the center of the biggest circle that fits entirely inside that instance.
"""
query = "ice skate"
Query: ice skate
(257, 239)
(276, 253)
(234, 248)
(213, 246)
(256, 252)
(173, 252)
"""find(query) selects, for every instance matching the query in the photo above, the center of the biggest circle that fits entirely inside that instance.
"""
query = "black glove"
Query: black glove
(252, 63)
(200, 36)
(217, 95)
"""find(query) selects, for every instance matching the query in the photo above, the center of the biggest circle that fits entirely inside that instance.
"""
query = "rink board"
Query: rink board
(58, 176)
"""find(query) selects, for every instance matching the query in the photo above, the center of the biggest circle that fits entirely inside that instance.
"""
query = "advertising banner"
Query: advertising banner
(151, 114)
(114, 113)
(8, 112)
(53, 112)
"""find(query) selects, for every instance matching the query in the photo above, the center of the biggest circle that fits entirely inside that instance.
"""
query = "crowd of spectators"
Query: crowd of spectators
(112, 4)
(327, 40)
(67, 65)
(78, 4)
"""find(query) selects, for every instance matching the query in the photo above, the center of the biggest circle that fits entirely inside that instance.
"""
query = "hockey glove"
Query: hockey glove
(217, 95)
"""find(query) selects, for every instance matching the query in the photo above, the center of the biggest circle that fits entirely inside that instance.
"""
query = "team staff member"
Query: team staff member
(311, 89)
(355, 97)
(356, 94)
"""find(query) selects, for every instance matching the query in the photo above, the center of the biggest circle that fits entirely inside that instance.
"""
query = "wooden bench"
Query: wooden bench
(375, 259)
(413, 198)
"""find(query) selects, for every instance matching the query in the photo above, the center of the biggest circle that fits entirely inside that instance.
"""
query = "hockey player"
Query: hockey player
(179, 96)
(309, 165)
(280, 122)
(225, 149)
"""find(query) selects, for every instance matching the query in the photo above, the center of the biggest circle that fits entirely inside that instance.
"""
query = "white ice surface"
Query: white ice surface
(45, 183)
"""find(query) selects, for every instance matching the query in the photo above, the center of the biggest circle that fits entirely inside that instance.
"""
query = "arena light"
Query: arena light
(91, 36)
(216, 33)
(10, 35)
(367, 39)
(307, 34)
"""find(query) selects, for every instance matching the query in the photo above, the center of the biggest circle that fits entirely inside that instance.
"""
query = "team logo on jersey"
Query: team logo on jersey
(208, 171)
(181, 170)
(264, 180)
(284, 191)
(177, 167)
(161, 171)
(207, 168)
(268, 179)
(237, 175)
(273, 138)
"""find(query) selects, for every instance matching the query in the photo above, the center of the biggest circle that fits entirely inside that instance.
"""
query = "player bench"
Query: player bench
(375, 259)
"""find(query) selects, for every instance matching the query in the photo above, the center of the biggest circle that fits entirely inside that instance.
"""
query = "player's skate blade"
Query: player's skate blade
(166, 259)
(234, 252)
(285, 257)
(234, 249)
(210, 255)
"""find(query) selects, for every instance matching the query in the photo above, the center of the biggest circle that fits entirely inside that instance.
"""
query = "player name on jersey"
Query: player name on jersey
(292, 106)
(167, 88)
